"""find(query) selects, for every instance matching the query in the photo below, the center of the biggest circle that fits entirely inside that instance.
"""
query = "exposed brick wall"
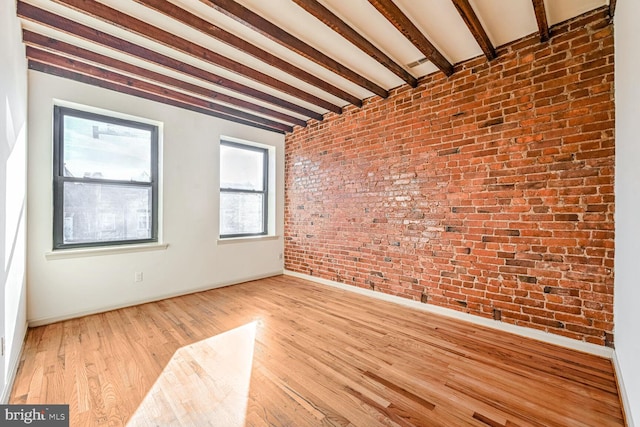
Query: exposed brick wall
(490, 191)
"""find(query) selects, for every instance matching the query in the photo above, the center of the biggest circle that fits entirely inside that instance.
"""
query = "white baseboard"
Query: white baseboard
(48, 320)
(507, 327)
(13, 371)
(622, 391)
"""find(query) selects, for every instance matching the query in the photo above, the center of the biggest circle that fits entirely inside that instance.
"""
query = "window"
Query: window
(243, 190)
(143, 221)
(105, 175)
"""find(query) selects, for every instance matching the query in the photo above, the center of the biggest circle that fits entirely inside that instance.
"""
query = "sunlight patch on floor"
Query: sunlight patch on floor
(205, 383)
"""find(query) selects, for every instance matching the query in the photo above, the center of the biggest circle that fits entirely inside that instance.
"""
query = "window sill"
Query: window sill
(231, 240)
(105, 250)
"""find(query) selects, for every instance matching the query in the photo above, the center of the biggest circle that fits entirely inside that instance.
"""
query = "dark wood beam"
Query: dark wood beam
(477, 30)
(277, 34)
(389, 10)
(137, 26)
(138, 87)
(66, 49)
(83, 68)
(60, 72)
(612, 8)
(32, 13)
(541, 17)
(172, 11)
(336, 24)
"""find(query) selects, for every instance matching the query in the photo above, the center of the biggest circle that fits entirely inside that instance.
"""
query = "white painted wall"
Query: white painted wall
(627, 277)
(13, 175)
(61, 288)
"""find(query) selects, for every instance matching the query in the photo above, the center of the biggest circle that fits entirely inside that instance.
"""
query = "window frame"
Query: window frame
(59, 180)
(264, 191)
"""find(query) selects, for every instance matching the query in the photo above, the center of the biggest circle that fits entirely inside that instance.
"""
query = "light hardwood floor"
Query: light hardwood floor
(287, 352)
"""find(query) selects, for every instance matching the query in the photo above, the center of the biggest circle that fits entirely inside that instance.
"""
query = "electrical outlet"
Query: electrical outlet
(138, 277)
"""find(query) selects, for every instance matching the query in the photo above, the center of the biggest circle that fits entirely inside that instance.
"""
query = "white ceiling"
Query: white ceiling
(503, 20)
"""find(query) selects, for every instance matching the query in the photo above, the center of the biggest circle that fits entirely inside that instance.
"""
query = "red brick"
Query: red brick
(485, 188)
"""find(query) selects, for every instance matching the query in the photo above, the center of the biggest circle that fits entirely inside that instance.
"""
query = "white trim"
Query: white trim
(47, 320)
(13, 371)
(622, 391)
(107, 112)
(245, 142)
(105, 250)
(231, 240)
(506, 327)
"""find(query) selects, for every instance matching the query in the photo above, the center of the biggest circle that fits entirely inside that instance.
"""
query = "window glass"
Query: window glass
(96, 212)
(241, 168)
(241, 213)
(243, 190)
(105, 180)
(95, 149)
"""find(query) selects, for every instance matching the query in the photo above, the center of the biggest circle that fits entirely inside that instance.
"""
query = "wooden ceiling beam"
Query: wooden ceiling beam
(612, 8)
(336, 24)
(140, 86)
(60, 72)
(389, 10)
(66, 49)
(35, 14)
(278, 35)
(477, 30)
(541, 18)
(172, 11)
(137, 26)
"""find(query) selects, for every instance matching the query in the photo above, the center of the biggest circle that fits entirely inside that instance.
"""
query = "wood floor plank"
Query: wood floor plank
(305, 355)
